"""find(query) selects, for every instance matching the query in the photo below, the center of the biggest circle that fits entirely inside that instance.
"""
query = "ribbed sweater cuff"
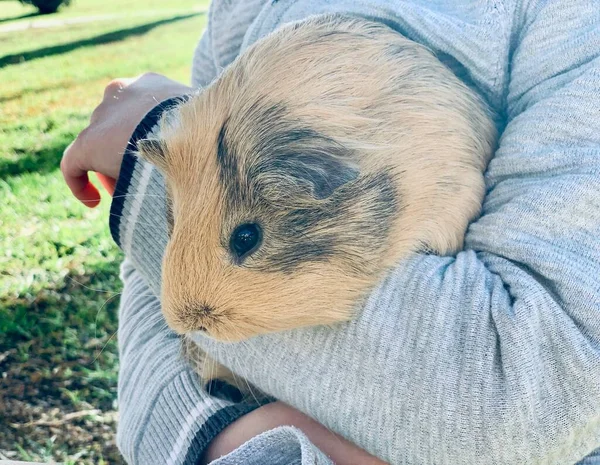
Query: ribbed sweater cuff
(128, 165)
(183, 422)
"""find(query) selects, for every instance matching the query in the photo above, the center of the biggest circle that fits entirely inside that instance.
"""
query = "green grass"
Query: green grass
(58, 264)
(14, 11)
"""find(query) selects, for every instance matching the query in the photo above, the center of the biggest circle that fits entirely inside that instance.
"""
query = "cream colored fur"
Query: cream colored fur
(389, 102)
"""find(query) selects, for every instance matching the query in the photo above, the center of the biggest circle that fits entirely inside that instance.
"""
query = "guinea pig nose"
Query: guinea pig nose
(206, 309)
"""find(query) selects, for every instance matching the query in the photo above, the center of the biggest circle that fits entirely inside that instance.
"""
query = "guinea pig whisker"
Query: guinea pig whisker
(104, 347)
(104, 291)
(236, 360)
(142, 223)
(88, 287)
(100, 310)
(138, 195)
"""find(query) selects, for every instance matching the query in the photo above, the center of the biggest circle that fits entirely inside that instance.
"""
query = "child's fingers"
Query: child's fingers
(89, 196)
(108, 183)
(78, 181)
(84, 190)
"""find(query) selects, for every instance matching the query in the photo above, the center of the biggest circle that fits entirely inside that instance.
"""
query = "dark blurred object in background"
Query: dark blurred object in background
(46, 6)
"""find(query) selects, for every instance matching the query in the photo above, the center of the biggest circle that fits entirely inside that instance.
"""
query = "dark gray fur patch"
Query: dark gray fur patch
(169, 210)
(332, 227)
(304, 191)
(310, 160)
(228, 168)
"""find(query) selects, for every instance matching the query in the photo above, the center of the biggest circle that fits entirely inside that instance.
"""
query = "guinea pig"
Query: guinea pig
(320, 158)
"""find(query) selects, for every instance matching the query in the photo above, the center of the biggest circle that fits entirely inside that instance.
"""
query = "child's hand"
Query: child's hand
(100, 146)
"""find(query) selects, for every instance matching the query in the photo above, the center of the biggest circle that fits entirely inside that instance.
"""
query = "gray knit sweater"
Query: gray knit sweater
(489, 357)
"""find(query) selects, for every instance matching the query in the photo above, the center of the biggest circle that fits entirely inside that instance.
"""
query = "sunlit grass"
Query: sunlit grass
(58, 264)
(78, 8)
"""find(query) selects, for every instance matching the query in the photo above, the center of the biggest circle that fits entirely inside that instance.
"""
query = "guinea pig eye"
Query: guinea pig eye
(245, 239)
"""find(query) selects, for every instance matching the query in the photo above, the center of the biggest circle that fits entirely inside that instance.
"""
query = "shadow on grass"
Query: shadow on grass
(41, 161)
(15, 18)
(70, 324)
(98, 40)
(23, 93)
(76, 302)
(59, 355)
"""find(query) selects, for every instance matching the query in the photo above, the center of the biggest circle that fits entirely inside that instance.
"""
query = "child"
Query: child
(491, 357)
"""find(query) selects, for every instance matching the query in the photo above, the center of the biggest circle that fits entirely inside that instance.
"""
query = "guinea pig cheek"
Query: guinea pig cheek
(188, 292)
(260, 302)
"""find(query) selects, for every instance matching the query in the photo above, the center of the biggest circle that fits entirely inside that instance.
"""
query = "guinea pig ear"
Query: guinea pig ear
(153, 151)
(320, 169)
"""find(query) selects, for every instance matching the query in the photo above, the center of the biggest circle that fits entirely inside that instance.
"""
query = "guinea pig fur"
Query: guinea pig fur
(324, 155)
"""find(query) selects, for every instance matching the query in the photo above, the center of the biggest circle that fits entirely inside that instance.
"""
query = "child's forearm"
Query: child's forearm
(339, 450)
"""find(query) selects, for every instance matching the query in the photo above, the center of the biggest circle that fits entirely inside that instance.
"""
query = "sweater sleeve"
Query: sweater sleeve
(493, 356)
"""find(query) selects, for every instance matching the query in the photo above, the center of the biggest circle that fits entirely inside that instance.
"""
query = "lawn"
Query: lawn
(59, 285)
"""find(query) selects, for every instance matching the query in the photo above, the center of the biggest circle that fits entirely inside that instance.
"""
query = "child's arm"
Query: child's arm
(165, 417)
(265, 418)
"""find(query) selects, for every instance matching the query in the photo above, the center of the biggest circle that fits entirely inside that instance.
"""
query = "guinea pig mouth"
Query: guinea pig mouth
(202, 334)
(201, 330)
(205, 318)
(192, 318)
(201, 326)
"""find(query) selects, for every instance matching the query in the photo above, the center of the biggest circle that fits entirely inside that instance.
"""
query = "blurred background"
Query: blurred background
(59, 286)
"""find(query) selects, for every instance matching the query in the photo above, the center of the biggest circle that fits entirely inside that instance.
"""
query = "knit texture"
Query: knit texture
(489, 357)
(280, 446)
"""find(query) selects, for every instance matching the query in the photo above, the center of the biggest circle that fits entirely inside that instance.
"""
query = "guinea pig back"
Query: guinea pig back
(318, 160)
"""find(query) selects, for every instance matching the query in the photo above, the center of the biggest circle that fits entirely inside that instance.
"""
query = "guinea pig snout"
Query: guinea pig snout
(194, 317)
(205, 313)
